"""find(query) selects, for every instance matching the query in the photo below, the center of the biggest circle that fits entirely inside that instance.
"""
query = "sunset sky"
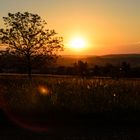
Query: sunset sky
(105, 26)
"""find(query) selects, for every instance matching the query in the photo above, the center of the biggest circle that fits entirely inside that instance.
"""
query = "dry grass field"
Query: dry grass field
(70, 107)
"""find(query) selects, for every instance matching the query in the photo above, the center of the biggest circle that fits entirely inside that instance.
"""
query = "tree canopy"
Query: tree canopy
(26, 34)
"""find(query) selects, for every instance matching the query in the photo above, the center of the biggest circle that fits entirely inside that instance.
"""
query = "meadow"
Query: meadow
(55, 97)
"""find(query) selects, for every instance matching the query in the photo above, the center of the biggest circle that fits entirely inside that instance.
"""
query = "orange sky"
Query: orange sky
(108, 26)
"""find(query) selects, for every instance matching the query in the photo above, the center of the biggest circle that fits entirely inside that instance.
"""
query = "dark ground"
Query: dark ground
(91, 127)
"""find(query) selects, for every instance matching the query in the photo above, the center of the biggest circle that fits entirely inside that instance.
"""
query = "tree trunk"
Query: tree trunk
(29, 66)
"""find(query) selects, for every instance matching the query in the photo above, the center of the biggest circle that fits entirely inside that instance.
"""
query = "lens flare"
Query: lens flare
(30, 109)
(43, 90)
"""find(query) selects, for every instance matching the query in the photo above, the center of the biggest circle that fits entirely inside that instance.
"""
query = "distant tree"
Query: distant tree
(97, 70)
(81, 68)
(124, 69)
(26, 35)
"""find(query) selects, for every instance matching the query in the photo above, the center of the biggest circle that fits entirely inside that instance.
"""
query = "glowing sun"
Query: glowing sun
(77, 43)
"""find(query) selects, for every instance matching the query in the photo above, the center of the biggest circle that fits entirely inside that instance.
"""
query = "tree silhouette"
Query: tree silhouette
(125, 68)
(25, 35)
(81, 68)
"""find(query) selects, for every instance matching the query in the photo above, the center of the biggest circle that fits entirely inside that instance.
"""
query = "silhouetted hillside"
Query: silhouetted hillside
(115, 59)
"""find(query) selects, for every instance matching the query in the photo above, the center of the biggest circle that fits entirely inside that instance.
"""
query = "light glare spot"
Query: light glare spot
(114, 95)
(43, 90)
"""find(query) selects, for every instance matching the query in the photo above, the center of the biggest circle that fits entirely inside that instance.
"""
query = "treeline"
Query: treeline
(11, 63)
(15, 64)
(109, 70)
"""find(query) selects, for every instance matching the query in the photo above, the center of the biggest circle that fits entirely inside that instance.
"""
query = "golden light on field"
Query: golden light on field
(77, 44)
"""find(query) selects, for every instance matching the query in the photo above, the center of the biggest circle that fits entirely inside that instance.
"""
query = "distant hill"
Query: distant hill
(115, 59)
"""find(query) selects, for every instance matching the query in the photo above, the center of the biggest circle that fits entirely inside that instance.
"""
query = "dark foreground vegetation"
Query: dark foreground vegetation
(69, 107)
(71, 96)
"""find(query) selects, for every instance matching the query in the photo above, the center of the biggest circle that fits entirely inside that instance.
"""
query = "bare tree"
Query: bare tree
(25, 34)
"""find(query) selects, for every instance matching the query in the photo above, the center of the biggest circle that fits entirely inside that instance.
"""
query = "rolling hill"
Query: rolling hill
(115, 59)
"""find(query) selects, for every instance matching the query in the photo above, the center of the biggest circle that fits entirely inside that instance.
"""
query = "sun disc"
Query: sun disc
(77, 43)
